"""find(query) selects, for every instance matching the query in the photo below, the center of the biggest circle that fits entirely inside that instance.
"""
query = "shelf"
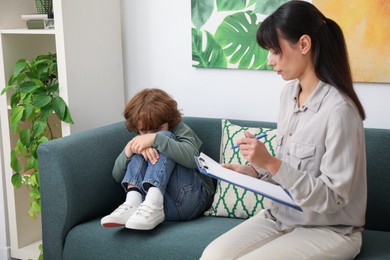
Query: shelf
(30, 251)
(90, 69)
(27, 31)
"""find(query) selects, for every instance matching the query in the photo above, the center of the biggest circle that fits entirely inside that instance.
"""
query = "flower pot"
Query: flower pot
(44, 6)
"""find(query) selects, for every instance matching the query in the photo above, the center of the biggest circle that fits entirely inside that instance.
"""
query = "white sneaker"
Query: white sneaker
(146, 217)
(119, 216)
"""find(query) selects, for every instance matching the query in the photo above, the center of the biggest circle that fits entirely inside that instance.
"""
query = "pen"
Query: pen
(257, 137)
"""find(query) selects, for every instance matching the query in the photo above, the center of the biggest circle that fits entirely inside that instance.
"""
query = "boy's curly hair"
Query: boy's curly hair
(149, 109)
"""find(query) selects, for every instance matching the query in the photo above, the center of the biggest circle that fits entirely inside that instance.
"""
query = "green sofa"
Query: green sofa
(77, 190)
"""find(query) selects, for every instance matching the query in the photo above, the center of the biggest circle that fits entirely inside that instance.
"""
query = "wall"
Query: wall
(157, 49)
(4, 247)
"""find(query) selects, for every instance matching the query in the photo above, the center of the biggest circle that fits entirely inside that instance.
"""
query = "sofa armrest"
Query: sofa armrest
(76, 181)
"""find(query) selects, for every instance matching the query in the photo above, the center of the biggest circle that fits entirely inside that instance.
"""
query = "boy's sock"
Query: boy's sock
(154, 197)
(133, 197)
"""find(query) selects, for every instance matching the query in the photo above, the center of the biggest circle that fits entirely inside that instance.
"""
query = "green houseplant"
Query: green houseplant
(34, 98)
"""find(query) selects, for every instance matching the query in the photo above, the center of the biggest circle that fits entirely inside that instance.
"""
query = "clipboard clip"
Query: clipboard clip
(202, 163)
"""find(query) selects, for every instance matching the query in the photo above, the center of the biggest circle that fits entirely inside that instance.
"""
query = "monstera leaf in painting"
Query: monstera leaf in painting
(268, 7)
(236, 35)
(201, 11)
(210, 57)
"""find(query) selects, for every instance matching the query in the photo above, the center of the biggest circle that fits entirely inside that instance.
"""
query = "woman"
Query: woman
(157, 168)
(320, 158)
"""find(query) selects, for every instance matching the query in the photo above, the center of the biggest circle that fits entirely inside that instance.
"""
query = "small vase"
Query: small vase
(44, 6)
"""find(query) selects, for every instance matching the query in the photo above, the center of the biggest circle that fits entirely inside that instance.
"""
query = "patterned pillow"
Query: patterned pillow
(230, 200)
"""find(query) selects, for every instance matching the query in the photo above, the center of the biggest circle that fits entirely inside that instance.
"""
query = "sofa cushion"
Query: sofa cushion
(375, 245)
(169, 240)
(231, 200)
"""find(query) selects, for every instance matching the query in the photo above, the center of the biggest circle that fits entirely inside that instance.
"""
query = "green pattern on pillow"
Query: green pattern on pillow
(231, 200)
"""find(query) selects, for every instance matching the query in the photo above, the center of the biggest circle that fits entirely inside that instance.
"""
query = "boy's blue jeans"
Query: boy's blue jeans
(184, 195)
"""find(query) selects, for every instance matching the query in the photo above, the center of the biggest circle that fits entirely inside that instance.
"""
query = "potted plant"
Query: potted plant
(34, 97)
(44, 6)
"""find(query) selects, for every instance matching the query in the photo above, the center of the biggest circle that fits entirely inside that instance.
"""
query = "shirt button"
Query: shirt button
(290, 134)
(288, 153)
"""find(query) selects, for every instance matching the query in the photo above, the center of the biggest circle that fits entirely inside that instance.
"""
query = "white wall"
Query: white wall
(157, 49)
(4, 247)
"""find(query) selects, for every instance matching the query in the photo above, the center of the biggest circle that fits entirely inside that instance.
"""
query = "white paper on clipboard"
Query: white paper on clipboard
(274, 192)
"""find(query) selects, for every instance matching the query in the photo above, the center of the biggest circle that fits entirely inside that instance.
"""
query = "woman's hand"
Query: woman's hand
(256, 154)
(244, 169)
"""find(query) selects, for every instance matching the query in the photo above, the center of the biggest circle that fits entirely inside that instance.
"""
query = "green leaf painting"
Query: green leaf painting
(224, 33)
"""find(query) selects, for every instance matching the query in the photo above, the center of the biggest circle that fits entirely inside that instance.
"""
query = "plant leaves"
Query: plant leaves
(14, 100)
(27, 166)
(237, 36)
(43, 139)
(38, 127)
(41, 100)
(4, 90)
(15, 163)
(43, 67)
(17, 180)
(68, 118)
(251, 2)
(29, 109)
(27, 87)
(36, 206)
(53, 88)
(33, 84)
(19, 66)
(212, 57)
(267, 7)
(201, 11)
(35, 194)
(21, 148)
(229, 5)
(34, 181)
(16, 116)
(25, 137)
(46, 111)
(33, 159)
(59, 107)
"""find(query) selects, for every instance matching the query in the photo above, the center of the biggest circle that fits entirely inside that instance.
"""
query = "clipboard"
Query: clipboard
(215, 170)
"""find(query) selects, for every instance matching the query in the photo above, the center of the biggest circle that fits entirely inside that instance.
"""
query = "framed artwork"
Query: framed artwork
(224, 34)
(366, 27)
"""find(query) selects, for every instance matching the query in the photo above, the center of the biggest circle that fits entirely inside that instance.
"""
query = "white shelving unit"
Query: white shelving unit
(87, 41)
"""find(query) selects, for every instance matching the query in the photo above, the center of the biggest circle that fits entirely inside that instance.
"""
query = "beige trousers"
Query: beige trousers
(258, 238)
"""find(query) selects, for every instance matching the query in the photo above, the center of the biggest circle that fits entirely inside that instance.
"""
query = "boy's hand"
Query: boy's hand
(150, 154)
(141, 142)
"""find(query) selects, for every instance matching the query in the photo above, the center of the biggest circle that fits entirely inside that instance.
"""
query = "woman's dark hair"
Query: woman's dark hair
(329, 52)
(149, 109)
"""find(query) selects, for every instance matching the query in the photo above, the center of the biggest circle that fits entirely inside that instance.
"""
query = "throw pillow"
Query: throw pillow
(230, 200)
